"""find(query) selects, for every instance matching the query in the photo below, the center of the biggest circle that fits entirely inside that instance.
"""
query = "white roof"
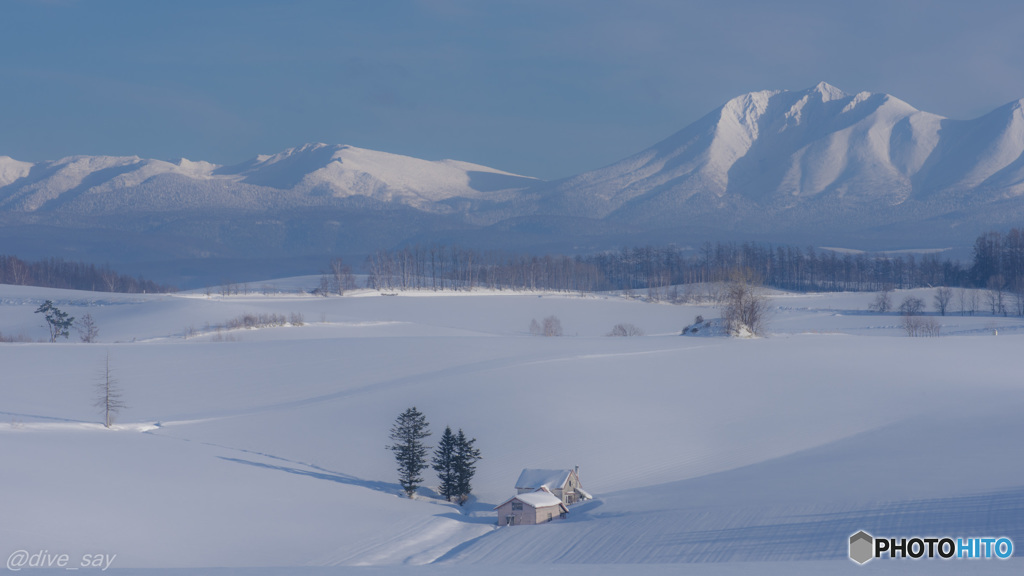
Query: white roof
(533, 478)
(538, 499)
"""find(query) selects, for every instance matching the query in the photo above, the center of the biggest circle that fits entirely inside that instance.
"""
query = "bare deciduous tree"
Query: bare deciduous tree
(87, 330)
(995, 296)
(626, 329)
(917, 326)
(744, 305)
(535, 328)
(882, 302)
(943, 296)
(552, 326)
(911, 306)
(108, 394)
(341, 277)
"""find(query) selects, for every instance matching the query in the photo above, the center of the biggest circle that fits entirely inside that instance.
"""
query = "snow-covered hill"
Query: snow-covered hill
(266, 448)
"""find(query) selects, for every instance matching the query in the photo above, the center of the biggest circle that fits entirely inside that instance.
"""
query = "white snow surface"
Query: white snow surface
(264, 450)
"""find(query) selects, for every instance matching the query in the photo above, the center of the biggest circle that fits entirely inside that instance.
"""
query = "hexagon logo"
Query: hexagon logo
(861, 547)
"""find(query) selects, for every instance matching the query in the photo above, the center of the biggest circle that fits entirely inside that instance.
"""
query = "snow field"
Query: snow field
(268, 450)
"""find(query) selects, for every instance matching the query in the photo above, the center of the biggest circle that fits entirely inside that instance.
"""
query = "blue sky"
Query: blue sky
(544, 88)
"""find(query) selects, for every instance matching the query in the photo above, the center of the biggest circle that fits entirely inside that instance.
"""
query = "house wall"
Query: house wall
(528, 515)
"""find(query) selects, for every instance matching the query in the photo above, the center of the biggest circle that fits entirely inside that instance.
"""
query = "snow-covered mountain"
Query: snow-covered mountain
(311, 175)
(808, 159)
(817, 166)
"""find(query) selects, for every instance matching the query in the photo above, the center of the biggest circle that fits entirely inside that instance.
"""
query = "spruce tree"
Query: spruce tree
(465, 458)
(445, 465)
(407, 435)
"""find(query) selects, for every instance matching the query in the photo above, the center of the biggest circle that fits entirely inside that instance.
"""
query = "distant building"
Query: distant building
(531, 508)
(564, 484)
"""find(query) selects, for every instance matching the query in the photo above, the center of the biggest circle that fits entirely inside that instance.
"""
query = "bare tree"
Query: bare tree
(943, 296)
(995, 295)
(108, 398)
(552, 326)
(917, 326)
(882, 302)
(744, 306)
(341, 277)
(911, 306)
(87, 330)
(961, 296)
(626, 329)
(535, 328)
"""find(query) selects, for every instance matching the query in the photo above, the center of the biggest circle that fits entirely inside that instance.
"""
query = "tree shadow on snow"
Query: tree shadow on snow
(321, 474)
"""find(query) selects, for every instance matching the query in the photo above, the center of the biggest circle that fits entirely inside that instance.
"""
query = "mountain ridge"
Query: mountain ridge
(820, 165)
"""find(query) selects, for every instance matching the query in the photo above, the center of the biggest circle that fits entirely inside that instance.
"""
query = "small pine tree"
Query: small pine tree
(108, 398)
(444, 464)
(407, 435)
(87, 330)
(465, 458)
(57, 321)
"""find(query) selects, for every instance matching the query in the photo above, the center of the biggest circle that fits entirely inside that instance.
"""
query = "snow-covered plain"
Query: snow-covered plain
(265, 449)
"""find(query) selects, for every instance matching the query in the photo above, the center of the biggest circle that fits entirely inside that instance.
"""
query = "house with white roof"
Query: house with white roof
(564, 484)
(531, 508)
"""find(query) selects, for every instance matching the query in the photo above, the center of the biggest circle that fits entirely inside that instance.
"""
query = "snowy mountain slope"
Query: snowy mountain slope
(816, 166)
(310, 175)
(799, 159)
(266, 447)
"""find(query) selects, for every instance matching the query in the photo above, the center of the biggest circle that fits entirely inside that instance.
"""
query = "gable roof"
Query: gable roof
(533, 478)
(538, 499)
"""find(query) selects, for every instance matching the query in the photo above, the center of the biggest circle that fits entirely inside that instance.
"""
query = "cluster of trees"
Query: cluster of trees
(59, 323)
(454, 459)
(59, 273)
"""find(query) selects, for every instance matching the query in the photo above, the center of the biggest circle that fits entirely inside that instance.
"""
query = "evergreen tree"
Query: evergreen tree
(407, 435)
(465, 458)
(58, 321)
(445, 464)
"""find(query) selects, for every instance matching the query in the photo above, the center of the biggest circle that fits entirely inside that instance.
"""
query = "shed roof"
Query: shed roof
(538, 499)
(532, 478)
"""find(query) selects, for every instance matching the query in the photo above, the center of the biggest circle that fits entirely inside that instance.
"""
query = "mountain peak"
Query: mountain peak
(828, 92)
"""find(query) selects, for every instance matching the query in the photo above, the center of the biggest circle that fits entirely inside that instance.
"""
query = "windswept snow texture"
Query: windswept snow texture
(266, 448)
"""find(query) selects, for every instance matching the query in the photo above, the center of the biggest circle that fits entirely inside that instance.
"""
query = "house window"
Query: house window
(517, 506)
(549, 516)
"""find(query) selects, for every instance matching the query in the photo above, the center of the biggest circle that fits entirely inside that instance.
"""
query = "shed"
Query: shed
(531, 508)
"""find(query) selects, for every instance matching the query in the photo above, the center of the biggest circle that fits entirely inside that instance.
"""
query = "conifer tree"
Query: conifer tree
(465, 459)
(407, 436)
(57, 321)
(445, 464)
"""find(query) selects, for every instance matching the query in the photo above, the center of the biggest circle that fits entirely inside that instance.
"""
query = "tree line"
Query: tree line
(998, 258)
(60, 273)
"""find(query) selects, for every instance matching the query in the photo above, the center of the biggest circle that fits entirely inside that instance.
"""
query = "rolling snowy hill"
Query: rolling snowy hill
(265, 448)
